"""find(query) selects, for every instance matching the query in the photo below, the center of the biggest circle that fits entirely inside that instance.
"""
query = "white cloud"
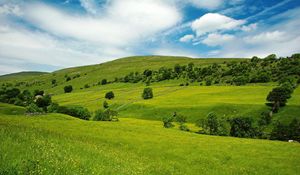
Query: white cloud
(122, 24)
(267, 37)
(215, 39)
(186, 38)
(212, 22)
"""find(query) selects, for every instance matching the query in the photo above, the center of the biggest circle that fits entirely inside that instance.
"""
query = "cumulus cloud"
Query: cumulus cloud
(215, 39)
(186, 38)
(212, 22)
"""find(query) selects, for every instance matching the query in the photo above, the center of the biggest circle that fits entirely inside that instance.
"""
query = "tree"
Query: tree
(103, 81)
(278, 97)
(105, 105)
(177, 69)
(109, 95)
(147, 93)
(43, 102)
(243, 127)
(68, 78)
(53, 82)
(68, 89)
(212, 123)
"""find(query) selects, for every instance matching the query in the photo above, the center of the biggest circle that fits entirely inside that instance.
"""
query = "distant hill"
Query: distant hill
(21, 75)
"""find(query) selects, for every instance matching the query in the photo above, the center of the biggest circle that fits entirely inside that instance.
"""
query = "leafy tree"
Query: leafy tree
(212, 123)
(43, 101)
(12, 93)
(177, 69)
(242, 127)
(279, 96)
(105, 105)
(68, 89)
(147, 93)
(103, 81)
(109, 95)
(148, 72)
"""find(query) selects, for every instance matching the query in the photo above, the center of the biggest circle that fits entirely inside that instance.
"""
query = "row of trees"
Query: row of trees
(255, 70)
(245, 127)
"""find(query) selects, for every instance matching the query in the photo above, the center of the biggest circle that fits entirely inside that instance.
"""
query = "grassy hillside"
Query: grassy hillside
(92, 74)
(193, 101)
(59, 144)
(21, 75)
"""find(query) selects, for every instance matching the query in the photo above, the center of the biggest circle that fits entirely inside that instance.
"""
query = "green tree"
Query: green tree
(110, 95)
(212, 123)
(104, 81)
(68, 89)
(147, 93)
(278, 97)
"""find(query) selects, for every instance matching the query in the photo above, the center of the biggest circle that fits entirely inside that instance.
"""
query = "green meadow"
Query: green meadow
(60, 144)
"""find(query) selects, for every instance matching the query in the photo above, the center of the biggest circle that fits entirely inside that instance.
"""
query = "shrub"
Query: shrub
(53, 82)
(265, 118)
(183, 127)
(109, 95)
(43, 101)
(105, 105)
(104, 81)
(68, 89)
(212, 123)
(286, 132)
(243, 127)
(167, 122)
(147, 93)
(53, 108)
(107, 115)
(33, 109)
(68, 78)
(76, 111)
(86, 86)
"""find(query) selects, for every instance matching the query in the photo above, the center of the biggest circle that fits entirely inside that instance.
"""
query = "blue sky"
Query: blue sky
(52, 34)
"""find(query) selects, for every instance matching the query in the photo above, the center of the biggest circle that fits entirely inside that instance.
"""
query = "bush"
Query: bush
(243, 127)
(53, 82)
(77, 111)
(86, 86)
(212, 123)
(147, 93)
(68, 78)
(53, 108)
(167, 122)
(107, 115)
(43, 101)
(68, 89)
(265, 118)
(286, 132)
(33, 109)
(105, 105)
(104, 82)
(109, 95)
(183, 127)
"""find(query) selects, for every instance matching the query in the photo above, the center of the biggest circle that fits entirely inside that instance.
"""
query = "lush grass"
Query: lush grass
(192, 101)
(59, 144)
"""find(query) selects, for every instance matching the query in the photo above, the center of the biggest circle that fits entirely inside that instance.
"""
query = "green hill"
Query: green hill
(193, 101)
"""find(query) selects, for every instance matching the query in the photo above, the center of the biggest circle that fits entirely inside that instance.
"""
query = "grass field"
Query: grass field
(59, 144)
